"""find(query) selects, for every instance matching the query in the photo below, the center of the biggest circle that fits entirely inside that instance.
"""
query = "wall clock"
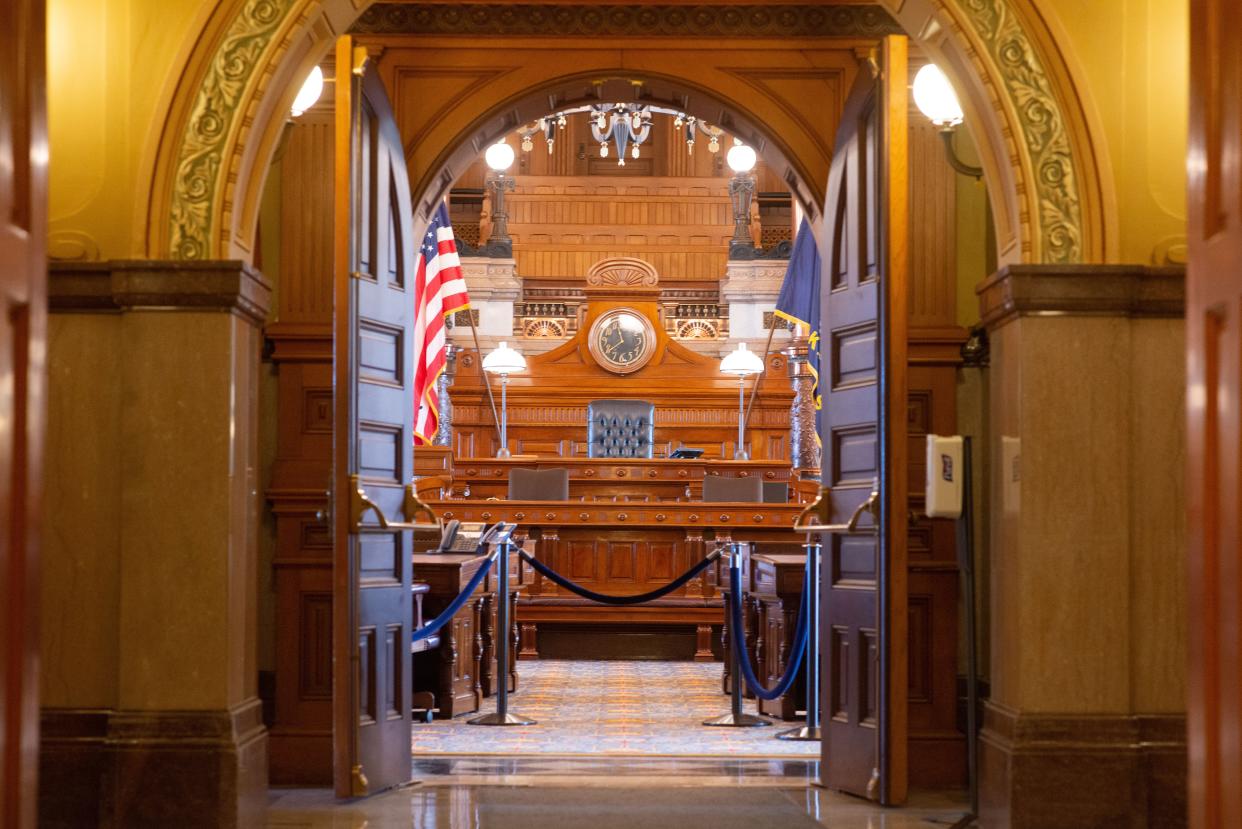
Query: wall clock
(622, 340)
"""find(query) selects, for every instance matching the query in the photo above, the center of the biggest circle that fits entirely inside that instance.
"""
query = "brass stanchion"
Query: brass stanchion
(504, 624)
(811, 730)
(736, 718)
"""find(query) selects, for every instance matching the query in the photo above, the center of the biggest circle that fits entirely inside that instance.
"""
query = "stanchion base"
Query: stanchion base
(501, 719)
(803, 733)
(737, 721)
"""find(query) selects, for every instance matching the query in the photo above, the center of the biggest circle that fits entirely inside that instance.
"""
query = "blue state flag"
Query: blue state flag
(799, 301)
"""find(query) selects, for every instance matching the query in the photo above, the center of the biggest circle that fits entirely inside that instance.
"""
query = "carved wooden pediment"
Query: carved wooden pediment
(622, 272)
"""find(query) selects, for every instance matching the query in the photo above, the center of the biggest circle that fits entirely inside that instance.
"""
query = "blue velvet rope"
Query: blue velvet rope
(455, 605)
(603, 598)
(737, 633)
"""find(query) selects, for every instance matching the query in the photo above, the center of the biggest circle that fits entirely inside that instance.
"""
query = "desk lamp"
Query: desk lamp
(504, 361)
(741, 363)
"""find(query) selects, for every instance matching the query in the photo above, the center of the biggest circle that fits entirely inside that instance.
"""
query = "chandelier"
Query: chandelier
(623, 126)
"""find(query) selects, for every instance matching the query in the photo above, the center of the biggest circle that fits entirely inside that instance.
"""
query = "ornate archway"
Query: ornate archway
(1044, 161)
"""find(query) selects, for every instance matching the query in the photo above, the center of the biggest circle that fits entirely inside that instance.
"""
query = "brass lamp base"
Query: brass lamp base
(501, 719)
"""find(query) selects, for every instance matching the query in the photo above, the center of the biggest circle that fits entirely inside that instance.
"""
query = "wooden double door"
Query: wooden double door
(862, 379)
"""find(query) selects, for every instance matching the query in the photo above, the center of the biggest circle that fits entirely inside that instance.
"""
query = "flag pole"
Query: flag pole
(486, 381)
(754, 392)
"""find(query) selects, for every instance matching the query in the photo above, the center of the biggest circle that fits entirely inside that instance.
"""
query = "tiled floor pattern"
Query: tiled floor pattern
(608, 709)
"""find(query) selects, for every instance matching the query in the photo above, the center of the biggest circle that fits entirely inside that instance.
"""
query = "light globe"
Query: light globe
(499, 156)
(504, 360)
(742, 362)
(311, 89)
(935, 98)
(741, 158)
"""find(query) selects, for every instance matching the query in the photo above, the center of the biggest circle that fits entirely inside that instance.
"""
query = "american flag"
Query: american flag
(439, 290)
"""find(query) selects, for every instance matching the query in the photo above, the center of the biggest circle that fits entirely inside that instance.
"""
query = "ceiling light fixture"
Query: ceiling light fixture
(621, 126)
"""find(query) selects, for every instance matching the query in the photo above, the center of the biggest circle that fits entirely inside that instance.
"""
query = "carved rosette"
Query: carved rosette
(804, 450)
(444, 432)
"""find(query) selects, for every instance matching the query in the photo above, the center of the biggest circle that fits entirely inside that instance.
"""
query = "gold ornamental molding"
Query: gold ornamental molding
(231, 72)
(1043, 127)
(219, 136)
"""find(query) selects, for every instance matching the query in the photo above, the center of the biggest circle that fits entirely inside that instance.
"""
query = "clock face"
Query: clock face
(622, 341)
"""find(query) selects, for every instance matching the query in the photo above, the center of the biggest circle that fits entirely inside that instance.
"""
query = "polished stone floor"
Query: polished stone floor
(597, 793)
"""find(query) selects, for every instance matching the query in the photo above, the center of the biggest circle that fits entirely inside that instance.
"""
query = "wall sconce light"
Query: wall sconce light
(935, 98)
(499, 157)
(741, 160)
(311, 89)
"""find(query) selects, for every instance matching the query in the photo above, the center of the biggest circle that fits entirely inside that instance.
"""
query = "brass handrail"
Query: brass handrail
(820, 507)
(412, 506)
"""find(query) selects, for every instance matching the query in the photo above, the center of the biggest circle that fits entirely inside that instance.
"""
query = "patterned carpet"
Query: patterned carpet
(612, 708)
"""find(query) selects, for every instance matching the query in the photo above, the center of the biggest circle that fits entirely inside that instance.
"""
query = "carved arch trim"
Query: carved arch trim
(1047, 171)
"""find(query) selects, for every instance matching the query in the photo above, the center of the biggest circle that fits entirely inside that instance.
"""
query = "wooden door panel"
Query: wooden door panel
(373, 440)
(864, 621)
(1214, 432)
(23, 268)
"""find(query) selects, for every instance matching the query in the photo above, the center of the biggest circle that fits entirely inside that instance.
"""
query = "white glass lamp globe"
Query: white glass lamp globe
(504, 360)
(742, 362)
(935, 98)
(311, 89)
(741, 158)
(499, 156)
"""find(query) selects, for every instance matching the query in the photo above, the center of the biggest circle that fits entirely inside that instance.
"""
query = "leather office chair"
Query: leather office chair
(620, 428)
(775, 492)
(538, 484)
(718, 488)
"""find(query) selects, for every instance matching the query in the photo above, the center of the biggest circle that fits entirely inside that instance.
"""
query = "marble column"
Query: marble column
(1085, 725)
(150, 706)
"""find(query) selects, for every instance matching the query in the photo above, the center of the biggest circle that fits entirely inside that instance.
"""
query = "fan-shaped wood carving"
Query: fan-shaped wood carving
(622, 273)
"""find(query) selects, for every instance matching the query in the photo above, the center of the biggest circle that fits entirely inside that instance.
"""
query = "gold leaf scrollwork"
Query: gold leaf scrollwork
(230, 69)
(1043, 127)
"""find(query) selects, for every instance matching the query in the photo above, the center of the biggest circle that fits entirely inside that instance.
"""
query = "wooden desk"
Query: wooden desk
(626, 548)
(775, 595)
(605, 479)
(463, 669)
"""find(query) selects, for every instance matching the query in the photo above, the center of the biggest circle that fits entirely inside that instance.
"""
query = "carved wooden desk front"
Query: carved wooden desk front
(624, 549)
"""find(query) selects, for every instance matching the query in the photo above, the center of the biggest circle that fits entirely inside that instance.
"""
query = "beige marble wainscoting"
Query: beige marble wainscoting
(1085, 725)
(150, 710)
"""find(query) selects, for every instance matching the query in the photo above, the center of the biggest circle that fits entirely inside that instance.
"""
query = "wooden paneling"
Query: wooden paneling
(933, 284)
(306, 219)
(563, 226)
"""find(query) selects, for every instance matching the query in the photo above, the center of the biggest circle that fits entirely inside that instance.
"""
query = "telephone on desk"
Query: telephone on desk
(458, 537)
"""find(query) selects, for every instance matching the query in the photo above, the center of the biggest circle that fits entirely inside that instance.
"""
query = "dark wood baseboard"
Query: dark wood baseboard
(100, 767)
(1041, 770)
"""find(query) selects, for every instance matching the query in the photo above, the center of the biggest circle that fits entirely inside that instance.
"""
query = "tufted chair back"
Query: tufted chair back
(620, 428)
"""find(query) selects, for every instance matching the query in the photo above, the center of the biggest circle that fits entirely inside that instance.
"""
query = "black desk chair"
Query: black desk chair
(775, 492)
(718, 488)
(538, 484)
